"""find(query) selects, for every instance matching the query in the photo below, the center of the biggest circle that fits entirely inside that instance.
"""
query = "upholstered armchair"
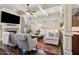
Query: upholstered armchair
(25, 41)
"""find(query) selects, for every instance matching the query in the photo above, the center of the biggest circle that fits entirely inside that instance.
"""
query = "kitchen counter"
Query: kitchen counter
(75, 30)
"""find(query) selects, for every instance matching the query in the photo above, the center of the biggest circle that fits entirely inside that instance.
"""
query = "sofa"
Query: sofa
(52, 37)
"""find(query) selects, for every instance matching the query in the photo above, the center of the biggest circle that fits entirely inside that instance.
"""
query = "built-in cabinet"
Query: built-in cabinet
(75, 37)
(6, 26)
(75, 44)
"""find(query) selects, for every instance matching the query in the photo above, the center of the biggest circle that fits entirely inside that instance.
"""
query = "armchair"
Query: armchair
(25, 41)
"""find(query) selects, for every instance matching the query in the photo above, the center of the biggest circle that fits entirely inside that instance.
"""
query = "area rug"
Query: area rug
(49, 48)
(3, 52)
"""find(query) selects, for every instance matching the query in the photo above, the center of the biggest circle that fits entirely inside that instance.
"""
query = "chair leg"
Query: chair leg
(23, 52)
(35, 49)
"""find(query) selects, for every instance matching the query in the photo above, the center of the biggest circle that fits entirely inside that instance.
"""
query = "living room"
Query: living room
(37, 29)
(32, 24)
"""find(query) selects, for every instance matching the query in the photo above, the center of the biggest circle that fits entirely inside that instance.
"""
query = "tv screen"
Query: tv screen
(9, 18)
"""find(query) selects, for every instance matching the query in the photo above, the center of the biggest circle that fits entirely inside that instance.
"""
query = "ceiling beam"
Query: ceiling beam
(42, 10)
(49, 10)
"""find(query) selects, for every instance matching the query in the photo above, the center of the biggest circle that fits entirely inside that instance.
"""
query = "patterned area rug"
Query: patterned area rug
(43, 49)
(49, 48)
(8, 50)
(3, 52)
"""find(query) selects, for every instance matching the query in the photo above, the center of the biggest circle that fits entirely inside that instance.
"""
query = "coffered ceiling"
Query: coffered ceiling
(21, 8)
(24, 6)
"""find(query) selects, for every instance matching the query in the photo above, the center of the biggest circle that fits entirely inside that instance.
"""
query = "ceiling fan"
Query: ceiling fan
(28, 10)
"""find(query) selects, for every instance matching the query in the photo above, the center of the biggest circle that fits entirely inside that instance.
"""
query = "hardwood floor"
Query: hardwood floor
(49, 48)
(42, 49)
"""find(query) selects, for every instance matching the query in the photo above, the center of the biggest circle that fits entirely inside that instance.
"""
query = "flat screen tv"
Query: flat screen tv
(9, 18)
